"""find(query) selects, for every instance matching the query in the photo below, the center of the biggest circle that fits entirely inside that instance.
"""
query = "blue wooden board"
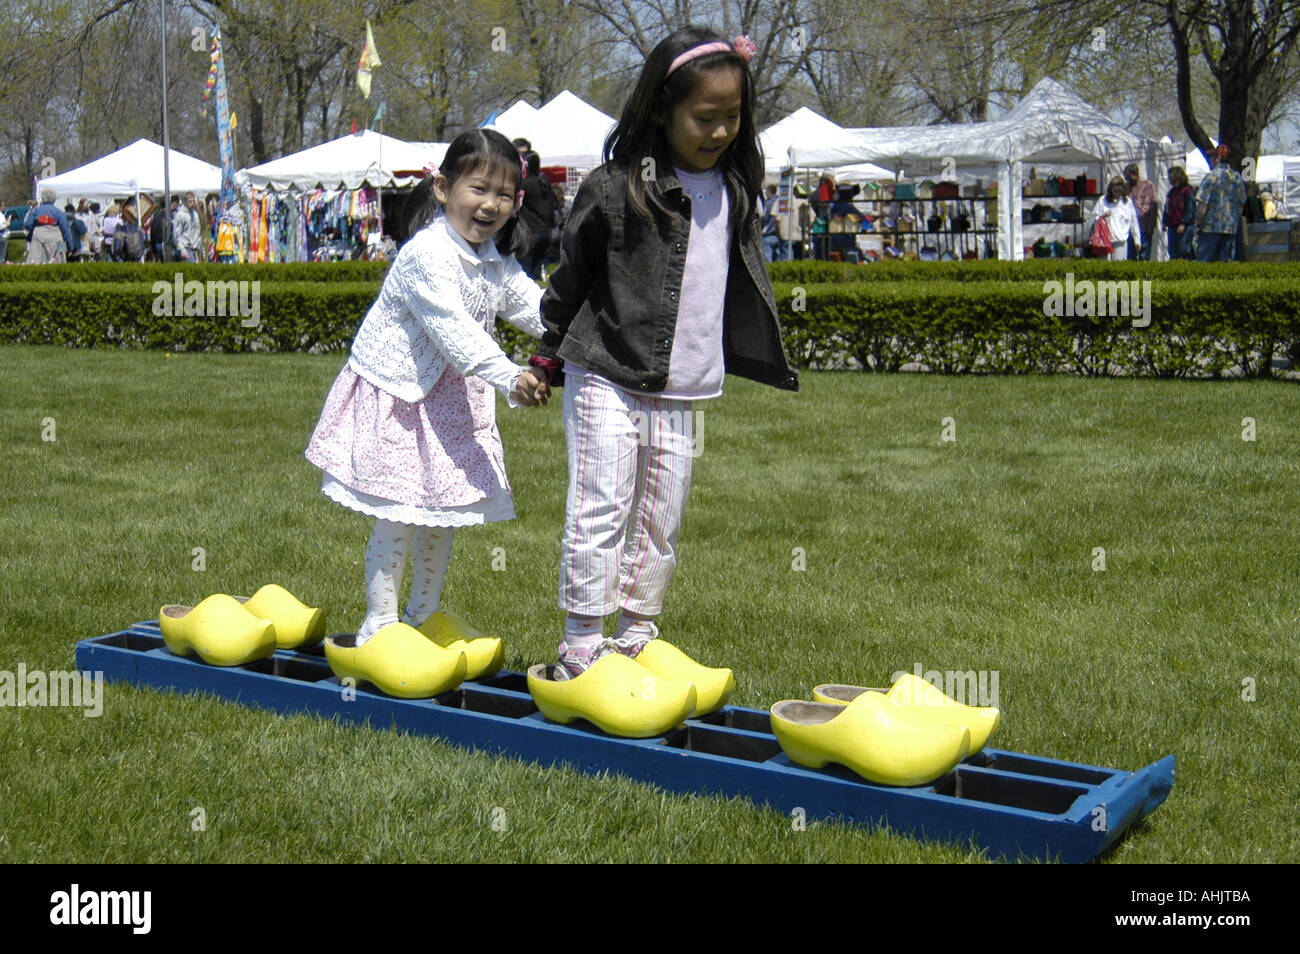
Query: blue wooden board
(1010, 803)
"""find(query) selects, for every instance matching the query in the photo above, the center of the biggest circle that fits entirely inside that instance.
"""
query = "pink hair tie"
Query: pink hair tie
(430, 169)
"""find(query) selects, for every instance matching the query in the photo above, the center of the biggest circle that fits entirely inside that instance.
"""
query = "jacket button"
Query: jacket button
(672, 296)
(667, 343)
(678, 247)
(644, 385)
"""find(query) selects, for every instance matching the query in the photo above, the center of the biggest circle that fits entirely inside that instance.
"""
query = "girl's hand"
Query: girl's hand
(529, 391)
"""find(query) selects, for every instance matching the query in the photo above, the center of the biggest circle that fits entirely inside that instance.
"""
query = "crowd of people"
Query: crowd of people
(1206, 224)
(88, 232)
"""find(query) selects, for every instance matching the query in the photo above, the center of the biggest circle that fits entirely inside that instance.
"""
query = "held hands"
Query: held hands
(530, 390)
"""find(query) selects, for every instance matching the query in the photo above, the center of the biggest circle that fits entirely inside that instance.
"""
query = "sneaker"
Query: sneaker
(632, 644)
(573, 662)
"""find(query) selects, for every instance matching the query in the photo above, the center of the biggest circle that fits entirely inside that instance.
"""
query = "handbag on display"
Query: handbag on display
(1072, 212)
(904, 190)
(925, 189)
(961, 221)
(934, 223)
(1081, 185)
(946, 190)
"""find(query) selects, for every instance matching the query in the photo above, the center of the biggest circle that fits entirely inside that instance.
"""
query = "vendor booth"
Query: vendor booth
(329, 201)
(1050, 130)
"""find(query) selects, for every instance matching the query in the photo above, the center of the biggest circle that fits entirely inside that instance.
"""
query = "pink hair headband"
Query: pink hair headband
(743, 46)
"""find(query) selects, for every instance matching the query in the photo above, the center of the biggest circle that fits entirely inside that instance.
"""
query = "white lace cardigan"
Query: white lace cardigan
(436, 307)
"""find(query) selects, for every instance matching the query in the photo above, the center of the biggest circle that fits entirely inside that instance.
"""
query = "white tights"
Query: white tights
(430, 549)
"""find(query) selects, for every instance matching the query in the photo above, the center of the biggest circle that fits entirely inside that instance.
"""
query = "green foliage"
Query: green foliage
(982, 317)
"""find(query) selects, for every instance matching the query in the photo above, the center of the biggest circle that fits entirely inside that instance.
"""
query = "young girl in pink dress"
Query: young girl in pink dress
(408, 434)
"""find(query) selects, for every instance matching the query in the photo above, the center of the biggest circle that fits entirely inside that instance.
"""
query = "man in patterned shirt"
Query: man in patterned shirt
(1142, 193)
(1218, 210)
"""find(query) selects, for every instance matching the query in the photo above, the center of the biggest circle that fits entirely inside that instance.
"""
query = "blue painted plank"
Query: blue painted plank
(1008, 802)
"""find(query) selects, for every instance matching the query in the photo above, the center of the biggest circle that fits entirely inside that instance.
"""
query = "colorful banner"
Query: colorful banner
(369, 60)
(224, 140)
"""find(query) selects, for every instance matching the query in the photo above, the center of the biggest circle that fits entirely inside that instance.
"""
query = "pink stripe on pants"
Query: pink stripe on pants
(629, 475)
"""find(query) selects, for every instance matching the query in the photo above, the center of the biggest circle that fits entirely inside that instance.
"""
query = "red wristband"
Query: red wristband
(549, 366)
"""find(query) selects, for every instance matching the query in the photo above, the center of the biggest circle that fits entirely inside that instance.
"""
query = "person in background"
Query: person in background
(48, 236)
(1180, 215)
(1142, 193)
(189, 240)
(77, 247)
(1120, 216)
(557, 229)
(111, 221)
(4, 235)
(1253, 210)
(771, 238)
(161, 236)
(537, 215)
(1219, 200)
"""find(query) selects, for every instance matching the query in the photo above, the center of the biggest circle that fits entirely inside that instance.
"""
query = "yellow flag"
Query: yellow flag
(234, 121)
(369, 60)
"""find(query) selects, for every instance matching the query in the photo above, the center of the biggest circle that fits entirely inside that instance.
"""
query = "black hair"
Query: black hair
(94, 207)
(469, 152)
(534, 162)
(640, 131)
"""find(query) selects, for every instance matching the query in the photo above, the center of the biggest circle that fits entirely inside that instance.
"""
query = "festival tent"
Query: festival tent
(805, 125)
(133, 169)
(567, 131)
(1050, 126)
(362, 158)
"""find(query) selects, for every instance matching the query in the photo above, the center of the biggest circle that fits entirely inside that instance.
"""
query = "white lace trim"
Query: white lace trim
(499, 506)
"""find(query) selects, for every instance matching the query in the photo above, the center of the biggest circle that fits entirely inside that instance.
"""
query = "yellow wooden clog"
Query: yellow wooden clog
(712, 686)
(220, 630)
(296, 625)
(483, 654)
(924, 702)
(871, 736)
(399, 660)
(617, 694)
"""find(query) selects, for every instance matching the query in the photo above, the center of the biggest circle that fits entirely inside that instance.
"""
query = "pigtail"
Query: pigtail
(423, 206)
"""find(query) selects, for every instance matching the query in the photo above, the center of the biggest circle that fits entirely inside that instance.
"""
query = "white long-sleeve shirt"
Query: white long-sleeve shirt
(436, 308)
(1123, 220)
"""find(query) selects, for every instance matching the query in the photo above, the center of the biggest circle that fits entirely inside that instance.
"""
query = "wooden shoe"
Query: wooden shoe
(617, 694)
(712, 686)
(220, 630)
(398, 660)
(296, 625)
(923, 701)
(871, 736)
(483, 654)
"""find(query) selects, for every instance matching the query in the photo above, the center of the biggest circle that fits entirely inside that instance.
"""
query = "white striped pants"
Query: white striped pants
(629, 474)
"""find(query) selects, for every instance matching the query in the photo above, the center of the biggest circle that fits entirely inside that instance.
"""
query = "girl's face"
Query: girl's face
(479, 204)
(704, 124)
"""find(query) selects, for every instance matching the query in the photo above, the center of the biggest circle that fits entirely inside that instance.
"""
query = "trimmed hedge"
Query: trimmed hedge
(150, 272)
(1034, 269)
(293, 316)
(1196, 328)
(985, 317)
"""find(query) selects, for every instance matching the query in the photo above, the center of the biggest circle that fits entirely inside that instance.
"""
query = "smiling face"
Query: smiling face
(706, 122)
(479, 204)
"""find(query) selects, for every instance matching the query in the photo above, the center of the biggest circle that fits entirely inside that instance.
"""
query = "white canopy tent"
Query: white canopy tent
(567, 131)
(803, 126)
(363, 158)
(1050, 126)
(137, 168)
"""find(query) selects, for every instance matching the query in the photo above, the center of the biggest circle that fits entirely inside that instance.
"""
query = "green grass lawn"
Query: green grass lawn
(977, 554)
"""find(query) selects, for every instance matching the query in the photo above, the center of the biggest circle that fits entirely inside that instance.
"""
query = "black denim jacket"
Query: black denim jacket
(611, 305)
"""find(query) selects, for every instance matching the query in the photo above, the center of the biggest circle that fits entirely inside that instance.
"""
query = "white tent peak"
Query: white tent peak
(344, 163)
(137, 167)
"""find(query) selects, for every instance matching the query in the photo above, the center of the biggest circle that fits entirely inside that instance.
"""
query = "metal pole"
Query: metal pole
(167, 181)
